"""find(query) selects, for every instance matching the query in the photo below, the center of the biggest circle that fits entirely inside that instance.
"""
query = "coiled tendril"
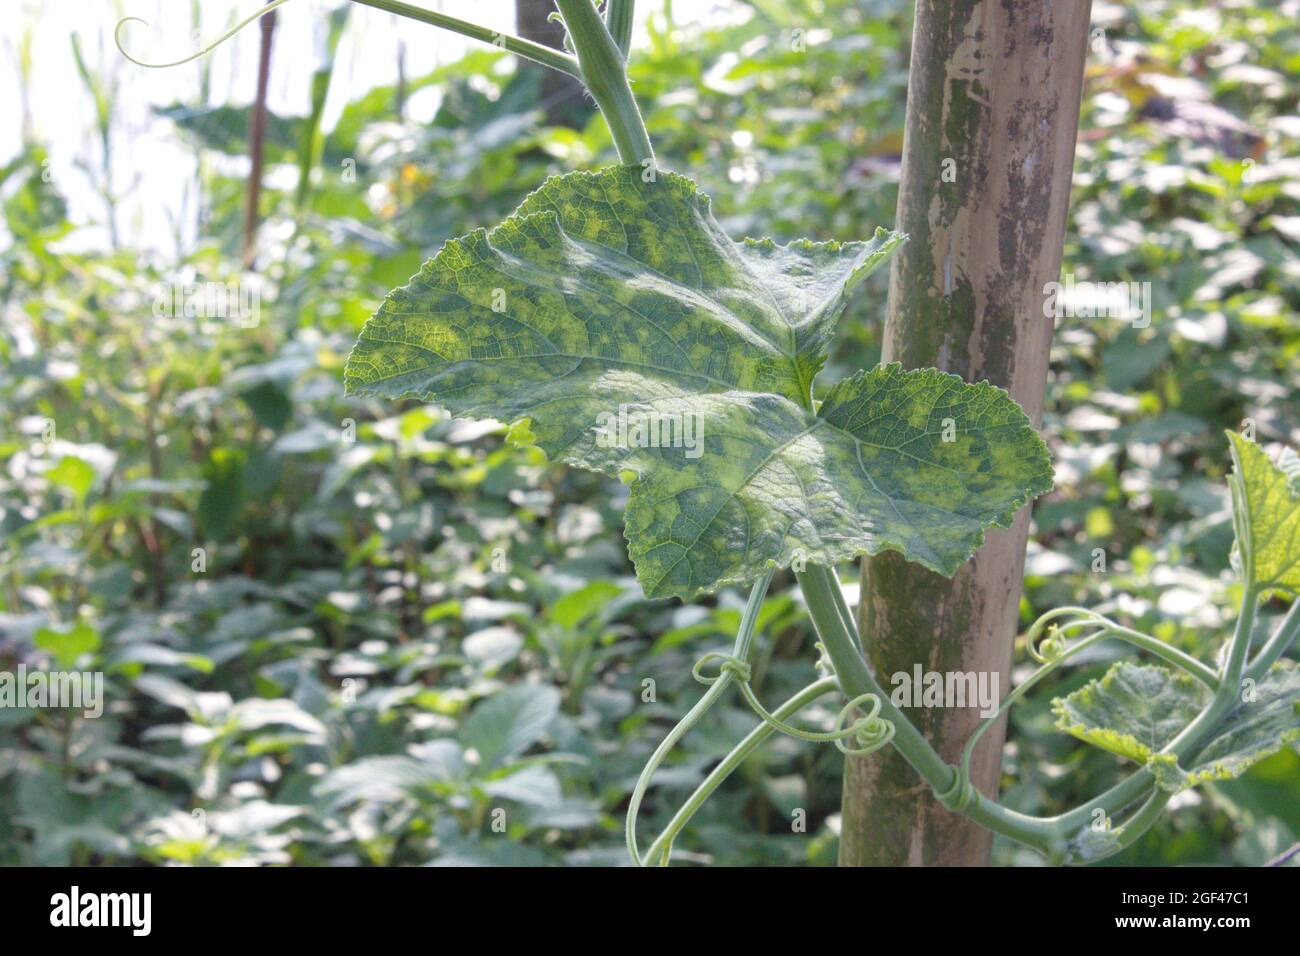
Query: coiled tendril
(730, 665)
(857, 736)
(869, 731)
(117, 36)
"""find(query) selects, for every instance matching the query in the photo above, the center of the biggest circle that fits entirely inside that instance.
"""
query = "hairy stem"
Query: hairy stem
(605, 74)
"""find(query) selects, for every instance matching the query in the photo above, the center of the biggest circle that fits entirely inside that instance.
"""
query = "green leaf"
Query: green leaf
(385, 779)
(1136, 710)
(74, 474)
(1262, 723)
(67, 646)
(572, 609)
(1133, 711)
(1266, 509)
(506, 725)
(611, 322)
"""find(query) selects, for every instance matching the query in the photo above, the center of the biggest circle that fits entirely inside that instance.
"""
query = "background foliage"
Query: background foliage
(397, 636)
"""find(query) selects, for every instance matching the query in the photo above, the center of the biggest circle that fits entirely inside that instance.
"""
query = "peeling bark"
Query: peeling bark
(995, 87)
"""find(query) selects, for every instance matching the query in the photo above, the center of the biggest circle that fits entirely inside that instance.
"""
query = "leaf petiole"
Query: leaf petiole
(603, 68)
(537, 52)
(1276, 645)
(618, 16)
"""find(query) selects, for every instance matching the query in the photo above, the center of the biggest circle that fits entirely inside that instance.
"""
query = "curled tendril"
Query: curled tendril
(554, 17)
(870, 731)
(1052, 648)
(729, 665)
(117, 36)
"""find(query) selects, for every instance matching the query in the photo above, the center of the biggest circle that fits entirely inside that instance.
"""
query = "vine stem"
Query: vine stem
(662, 845)
(604, 71)
(601, 62)
(1047, 834)
(820, 587)
(740, 652)
(537, 52)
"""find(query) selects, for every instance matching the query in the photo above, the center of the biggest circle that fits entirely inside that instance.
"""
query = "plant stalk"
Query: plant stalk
(1276, 645)
(619, 15)
(604, 71)
(538, 53)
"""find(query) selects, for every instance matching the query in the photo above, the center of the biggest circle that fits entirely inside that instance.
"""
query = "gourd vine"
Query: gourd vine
(616, 293)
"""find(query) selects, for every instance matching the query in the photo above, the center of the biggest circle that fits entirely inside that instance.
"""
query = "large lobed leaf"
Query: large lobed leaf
(606, 294)
(1138, 709)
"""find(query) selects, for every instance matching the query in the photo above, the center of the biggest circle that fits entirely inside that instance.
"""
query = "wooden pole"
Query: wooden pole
(992, 113)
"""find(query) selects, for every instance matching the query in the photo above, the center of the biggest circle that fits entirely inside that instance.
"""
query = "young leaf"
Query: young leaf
(1266, 510)
(614, 324)
(1263, 722)
(1136, 710)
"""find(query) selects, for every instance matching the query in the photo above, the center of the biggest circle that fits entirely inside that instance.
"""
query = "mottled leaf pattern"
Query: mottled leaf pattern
(1136, 710)
(869, 472)
(607, 297)
(1253, 730)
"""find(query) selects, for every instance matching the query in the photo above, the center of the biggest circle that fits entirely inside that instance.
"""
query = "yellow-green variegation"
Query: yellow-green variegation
(1138, 709)
(616, 325)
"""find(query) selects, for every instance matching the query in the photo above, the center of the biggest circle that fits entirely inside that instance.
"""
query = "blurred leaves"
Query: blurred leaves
(307, 608)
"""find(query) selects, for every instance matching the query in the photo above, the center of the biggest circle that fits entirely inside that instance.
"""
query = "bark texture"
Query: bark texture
(992, 113)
